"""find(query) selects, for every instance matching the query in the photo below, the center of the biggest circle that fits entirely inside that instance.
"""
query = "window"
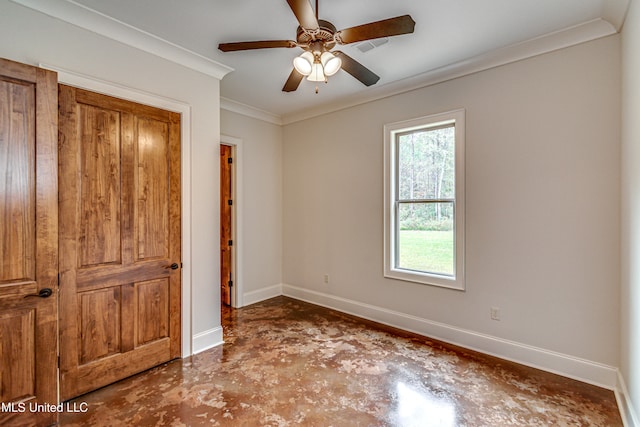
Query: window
(424, 200)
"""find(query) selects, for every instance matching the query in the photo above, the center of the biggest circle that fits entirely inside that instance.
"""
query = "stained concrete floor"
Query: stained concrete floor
(289, 363)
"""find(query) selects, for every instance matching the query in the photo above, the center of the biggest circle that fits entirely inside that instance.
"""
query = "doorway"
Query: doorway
(120, 256)
(236, 173)
(189, 346)
(226, 224)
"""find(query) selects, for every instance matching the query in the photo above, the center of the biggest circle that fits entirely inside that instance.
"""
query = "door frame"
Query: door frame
(237, 294)
(111, 89)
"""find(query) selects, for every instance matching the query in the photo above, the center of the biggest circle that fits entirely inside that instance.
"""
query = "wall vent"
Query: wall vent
(366, 46)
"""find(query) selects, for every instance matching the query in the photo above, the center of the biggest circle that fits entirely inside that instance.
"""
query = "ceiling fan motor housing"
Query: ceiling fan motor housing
(323, 34)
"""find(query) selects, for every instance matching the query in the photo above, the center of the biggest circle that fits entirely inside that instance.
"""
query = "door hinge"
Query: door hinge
(230, 160)
(231, 283)
(230, 202)
(230, 242)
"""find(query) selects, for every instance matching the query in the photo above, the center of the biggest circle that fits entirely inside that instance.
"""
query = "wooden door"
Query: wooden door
(28, 243)
(119, 239)
(226, 242)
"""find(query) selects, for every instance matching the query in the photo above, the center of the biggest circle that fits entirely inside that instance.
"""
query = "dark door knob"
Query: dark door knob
(43, 293)
(173, 266)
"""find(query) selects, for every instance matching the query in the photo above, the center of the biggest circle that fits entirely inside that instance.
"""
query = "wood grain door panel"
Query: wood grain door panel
(153, 190)
(153, 303)
(17, 167)
(28, 241)
(120, 197)
(100, 186)
(99, 323)
(17, 341)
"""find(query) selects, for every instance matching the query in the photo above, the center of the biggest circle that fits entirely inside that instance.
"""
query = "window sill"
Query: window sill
(441, 281)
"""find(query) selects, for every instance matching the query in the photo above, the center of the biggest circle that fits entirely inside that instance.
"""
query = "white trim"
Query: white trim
(237, 219)
(457, 117)
(207, 339)
(249, 111)
(581, 33)
(615, 12)
(625, 405)
(113, 89)
(563, 364)
(99, 23)
(262, 294)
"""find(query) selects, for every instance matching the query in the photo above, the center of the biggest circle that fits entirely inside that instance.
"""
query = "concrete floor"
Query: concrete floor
(289, 363)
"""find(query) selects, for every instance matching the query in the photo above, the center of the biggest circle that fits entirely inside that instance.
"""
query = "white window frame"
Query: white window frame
(391, 131)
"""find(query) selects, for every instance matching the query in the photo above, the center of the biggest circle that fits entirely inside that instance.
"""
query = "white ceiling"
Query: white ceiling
(448, 33)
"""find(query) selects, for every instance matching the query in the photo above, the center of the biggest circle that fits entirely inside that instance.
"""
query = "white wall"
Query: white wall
(543, 195)
(31, 37)
(630, 288)
(261, 245)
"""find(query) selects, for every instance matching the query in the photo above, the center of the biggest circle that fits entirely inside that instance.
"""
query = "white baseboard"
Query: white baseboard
(550, 361)
(206, 340)
(628, 413)
(261, 294)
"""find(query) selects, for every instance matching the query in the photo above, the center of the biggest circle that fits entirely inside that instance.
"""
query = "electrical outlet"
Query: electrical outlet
(326, 278)
(495, 313)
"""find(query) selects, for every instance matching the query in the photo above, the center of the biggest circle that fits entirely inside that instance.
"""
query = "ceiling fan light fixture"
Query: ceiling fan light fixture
(317, 73)
(330, 63)
(304, 63)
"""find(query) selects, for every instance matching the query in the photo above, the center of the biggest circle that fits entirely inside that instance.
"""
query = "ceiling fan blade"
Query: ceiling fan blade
(357, 70)
(293, 81)
(304, 14)
(374, 30)
(264, 44)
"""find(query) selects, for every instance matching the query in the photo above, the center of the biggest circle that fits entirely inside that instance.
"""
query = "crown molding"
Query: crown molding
(96, 22)
(550, 42)
(247, 110)
(615, 12)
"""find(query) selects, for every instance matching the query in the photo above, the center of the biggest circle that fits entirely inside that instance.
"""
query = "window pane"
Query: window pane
(426, 164)
(426, 238)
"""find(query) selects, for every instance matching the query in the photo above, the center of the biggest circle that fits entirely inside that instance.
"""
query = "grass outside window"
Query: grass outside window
(430, 251)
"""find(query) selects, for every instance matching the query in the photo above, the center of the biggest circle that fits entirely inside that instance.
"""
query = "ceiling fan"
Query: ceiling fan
(318, 37)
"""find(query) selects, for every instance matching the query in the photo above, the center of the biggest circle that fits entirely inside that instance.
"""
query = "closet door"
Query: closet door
(119, 241)
(28, 244)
